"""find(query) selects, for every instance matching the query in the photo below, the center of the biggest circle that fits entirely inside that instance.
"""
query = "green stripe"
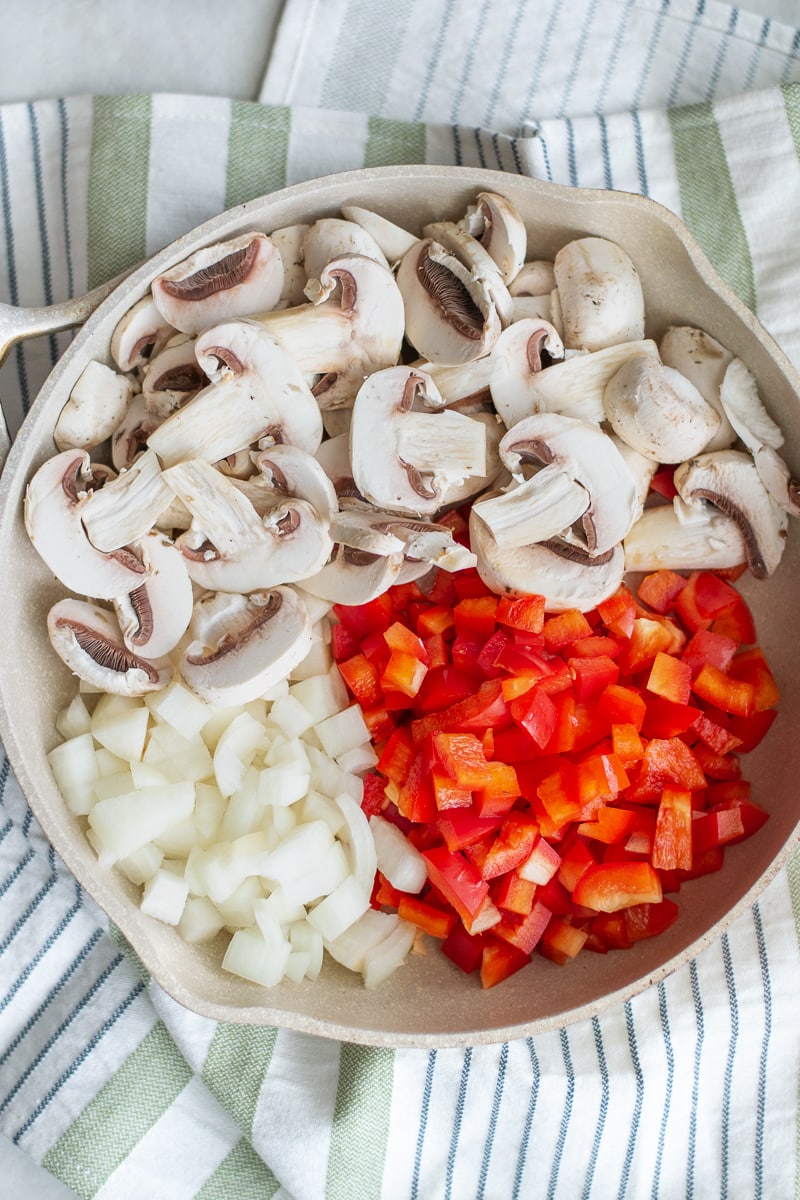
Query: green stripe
(120, 1115)
(124, 946)
(258, 149)
(119, 168)
(360, 1123)
(708, 199)
(390, 142)
(791, 101)
(241, 1174)
(234, 1070)
(373, 34)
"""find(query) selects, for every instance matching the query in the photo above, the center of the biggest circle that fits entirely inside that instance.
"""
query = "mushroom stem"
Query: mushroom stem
(447, 443)
(125, 509)
(542, 507)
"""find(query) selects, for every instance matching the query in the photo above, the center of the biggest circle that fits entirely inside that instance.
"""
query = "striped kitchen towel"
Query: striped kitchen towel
(690, 1089)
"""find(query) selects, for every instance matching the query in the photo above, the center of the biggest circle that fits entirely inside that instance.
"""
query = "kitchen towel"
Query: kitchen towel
(689, 1089)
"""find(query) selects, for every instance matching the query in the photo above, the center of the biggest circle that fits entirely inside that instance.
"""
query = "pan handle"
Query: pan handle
(18, 324)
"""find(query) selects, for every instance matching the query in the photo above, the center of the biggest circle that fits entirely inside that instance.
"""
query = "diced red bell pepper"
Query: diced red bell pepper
(672, 843)
(373, 797)
(562, 941)
(737, 624)
(465, 654)
(360, 619)
(468, 584)
(649, 636)
(718, 738)
(593, 675)
(437, 618)
(380, 724)
(593, 646)
(513, 894)
(447, 793)
(575, 863)
(751, 666)
(600, 777)
(525, 613)
(399, 637)
(398, 754)
(621, 705)
(463, 827)
(442, 687)
(666, 763)
(362, 679)
(463, 949)
(608, 887)
(663, 483)
(499, 791)
(565, 628)
(487, 660)
(717, 766)
(474, 617)
(627, 742)
(753, 729)
(708, 646)
(536, 713)
(668, 719)
(457, 879)
(384, 895)
(542, 863)
(730, 694)
(438, 922)
(671, 678)
(500, 960)
(462, 757)
(437, 650)
(558, 793)
(660, 590)
(487, 707)
(416, 800)
(610, 825)
(618, 612)
(649, 920)
(344, 642)
(511, 846)
(524, 932)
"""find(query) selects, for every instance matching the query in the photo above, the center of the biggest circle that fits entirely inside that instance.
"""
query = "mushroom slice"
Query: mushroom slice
(658, 411)
(577, 385)
(495, 223)
(467, 382)
(600, 294)
(172, 378)
(406, 449)
(88, 640)
(54, 503)
(392, 239)
(125, 509)
(354, 576)
(742, 405)
(539, 508)
(229, 279)
(139, 335)
(334, 458)
(589, 457)
(729, 480)
(562, 574)
(289, 240)
(429, 543)
(129, 439)
(641, 468)
(331, 237)
(290, 471)
(230, 547)
(451, 317)
(244, 645)
(703, 361)
(154, 617)
(477, 259)
(96, 405)
(522, 351)
(663, 537)
(534, 278)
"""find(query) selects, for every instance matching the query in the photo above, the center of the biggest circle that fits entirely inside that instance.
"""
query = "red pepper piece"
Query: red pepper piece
(362, 679)
(717, 766)
(447, 793)
(464, 949)
(542, 863)
(457, 879)
(672, 843)
(462, 827)
(436, 619)
(399, 637)
(575, 863)
(344, 643)
(608, 887)
(660, 590)
(718, 738)
(592, 675)
(465, 654)
(649, 920)
(663, 483)
(474, 617)
(499, 791)
(666, 763)
(627, 742)
(600, 777)
(558, 793)
(753, 729)
(398, 754)
(621, 705)
(524, 932)
(462, 757)
(416, 800)
(565, 730)
(511, 845)
(618, 612)
(380, 724)
(564, 628)
(752, 667)
(487, 660)
(671, 678)
(730, 694)
(649, 636)
(373, 799)
(612, 930)
(443, 686)
(667, 719)
(536, 713)
(562, 941)
(437, 922)
(513, 894)
(468, 585)
(487, 707)
(360, 619)
(708, 646)
(525, 613)
(737, 624)
(610, 825)
(500, 960)
(593, 646)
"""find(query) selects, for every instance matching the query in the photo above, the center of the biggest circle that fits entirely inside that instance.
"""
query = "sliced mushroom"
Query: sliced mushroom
(129, 439)
(600, 294)
(346, 333)
(576, 386)
(521, 353)
(154, 617)
(534, 278)
(451, 317)
(495, 223)
(467, 383)
(231, 548)
(334, 458)
(125, 509)
(729, 480)
(140, 335)
(405, 449)
(290, 471)
(354, 576)
(88, 639)
(657, 411)
(534, 510)
(332, 237)
(172, 378)
(664, 537)
(703, 360)
(554, 569)
(244, 645)
(96, 405)
(476, 258)
(289, 240)
(588, 456)
(54, 503)
(230, 279)
(392, 239)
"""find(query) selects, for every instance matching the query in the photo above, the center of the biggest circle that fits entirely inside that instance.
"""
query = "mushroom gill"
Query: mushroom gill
(227, 272)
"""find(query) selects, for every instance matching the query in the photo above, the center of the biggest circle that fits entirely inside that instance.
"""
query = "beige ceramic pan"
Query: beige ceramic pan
(428, 1001)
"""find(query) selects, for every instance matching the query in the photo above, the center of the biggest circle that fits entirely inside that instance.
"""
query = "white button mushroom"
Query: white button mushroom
(88, 639)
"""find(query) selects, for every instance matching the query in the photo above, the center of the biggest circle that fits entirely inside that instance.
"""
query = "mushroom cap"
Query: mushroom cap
(354, 576)
(243, 645)
(562, 574)
(499, 228)
(742, 406)
(658, 411)
(331, 237)
(139, 335)
(585, 453)
(88, 639)
(663, 537)
(294, 472)
(154, 617)
(392, 239)
(600, 294)
(54, 500)
(520, 353)
(229, 279)
(96, 405)
(729, 480)
(534, 278)
(703, 360)
(289, 240)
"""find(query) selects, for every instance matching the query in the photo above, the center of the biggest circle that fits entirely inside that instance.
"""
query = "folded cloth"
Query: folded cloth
(689, 1088)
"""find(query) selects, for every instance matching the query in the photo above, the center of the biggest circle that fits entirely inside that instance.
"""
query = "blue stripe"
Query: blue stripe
(607, 176)
(51, 995)
(668, 1051)
(6, 830)
(459, 161)
(546, 157)
(433, 62)
(565, 1116)
(20, 923)
(62, 1028)
(502, 67)
(544, 53)
(493, 1118)
(787, 70)
(762, 1062)
(457, 1120)
(603, 1113)
(571, 156)
(43, 950)
(479, 147)
(754, 61)
(90, 1047)
(423, 1122)
(515, 155)
(528, 1125)
(10, 880)
(644, 187)
(576, 59)
(64, 121)
(637, 1107)
(685, 52)
(469, 59)
(716, 70)
(608, 74)
(650, 54)
(27, 820)
(698, 1053)
(727, 1085)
